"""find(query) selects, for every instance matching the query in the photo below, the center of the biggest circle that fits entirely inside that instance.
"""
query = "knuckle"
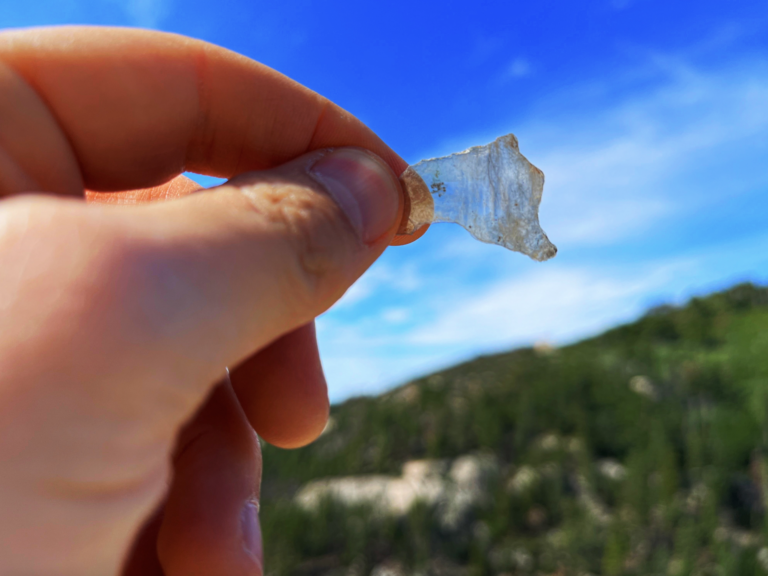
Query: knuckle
(314, 236)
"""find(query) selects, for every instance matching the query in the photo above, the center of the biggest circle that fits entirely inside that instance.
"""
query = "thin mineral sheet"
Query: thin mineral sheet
(493, 191)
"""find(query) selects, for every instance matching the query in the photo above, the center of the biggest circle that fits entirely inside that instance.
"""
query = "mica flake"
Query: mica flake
(493, 191)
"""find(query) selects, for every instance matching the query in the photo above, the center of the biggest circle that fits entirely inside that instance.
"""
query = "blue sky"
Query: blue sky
(649, 119)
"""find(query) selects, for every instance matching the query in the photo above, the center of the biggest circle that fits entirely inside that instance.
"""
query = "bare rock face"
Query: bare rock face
(421, 480)
(453, 487)
(388, 569)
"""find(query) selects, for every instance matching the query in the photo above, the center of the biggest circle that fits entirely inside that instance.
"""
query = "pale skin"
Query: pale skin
(124, 448)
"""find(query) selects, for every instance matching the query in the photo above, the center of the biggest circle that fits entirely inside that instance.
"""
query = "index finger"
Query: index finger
(139, 107)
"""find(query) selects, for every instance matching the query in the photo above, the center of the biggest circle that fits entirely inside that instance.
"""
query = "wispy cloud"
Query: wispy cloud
(395, 315)
(618, 172)
(147, 13)
(517, 68)
(552, 304)
(143, 13)
(403, 280)
(557, 304)
(625, 178)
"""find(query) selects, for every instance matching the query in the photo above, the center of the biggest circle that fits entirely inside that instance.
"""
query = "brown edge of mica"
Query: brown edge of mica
(418, 207)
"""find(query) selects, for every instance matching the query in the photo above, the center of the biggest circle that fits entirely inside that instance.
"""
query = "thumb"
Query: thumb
(163, 296)
(117, 320)
(227, 271)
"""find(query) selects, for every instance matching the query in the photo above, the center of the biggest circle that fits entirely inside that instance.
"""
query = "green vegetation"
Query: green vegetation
(642, 451)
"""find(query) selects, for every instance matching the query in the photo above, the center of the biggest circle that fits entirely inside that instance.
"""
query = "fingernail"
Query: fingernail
(363, 187)
(251, 530)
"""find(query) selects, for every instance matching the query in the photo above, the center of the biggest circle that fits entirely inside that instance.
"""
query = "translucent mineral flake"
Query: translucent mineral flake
(492, 191)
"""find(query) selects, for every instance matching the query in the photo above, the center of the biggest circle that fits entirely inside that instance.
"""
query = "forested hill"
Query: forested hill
(676, 402)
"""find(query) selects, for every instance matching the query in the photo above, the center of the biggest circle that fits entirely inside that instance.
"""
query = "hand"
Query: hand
(118, 319)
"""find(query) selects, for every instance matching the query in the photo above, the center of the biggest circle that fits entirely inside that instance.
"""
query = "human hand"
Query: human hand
(117, 320)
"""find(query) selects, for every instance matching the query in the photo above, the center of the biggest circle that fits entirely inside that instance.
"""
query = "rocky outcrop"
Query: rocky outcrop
(454, 487)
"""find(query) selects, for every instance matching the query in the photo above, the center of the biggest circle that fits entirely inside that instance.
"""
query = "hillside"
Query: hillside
(641, 451)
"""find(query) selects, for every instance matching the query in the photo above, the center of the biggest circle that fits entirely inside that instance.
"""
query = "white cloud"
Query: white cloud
(381, 276)
(625, 154)
(552, 304)
(561, 303)
(147, 13)
(619, 175)
(395, 315)
(518, 68)
(144, 13)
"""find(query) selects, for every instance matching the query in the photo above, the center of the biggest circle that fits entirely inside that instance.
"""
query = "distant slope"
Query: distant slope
(678, 400)
(712, 350)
